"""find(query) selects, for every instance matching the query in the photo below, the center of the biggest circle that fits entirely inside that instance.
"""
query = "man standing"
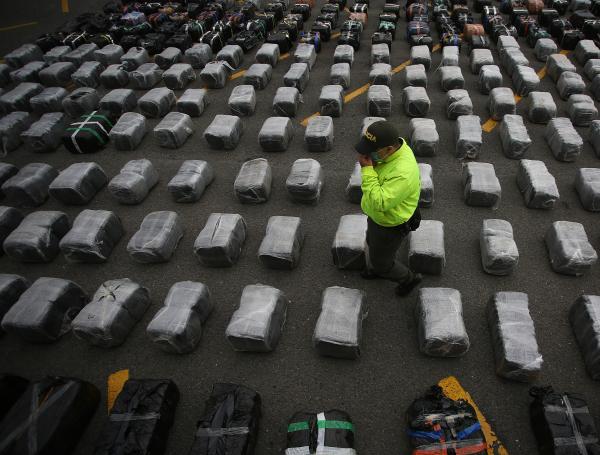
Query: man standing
(391, 186)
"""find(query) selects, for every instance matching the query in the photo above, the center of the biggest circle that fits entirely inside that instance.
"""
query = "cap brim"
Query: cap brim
(364, 146)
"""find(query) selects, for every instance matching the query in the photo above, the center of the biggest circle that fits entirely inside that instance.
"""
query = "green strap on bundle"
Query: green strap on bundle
(331, 424)
(297, 426)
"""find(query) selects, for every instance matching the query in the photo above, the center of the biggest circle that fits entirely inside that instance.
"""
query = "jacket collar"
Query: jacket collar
(397, 153)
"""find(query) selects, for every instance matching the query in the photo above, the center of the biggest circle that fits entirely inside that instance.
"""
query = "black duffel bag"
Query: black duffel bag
(282, 39)
(246, 39)
(351, 38)
(181, 41)
(89, 134)
(154, 43)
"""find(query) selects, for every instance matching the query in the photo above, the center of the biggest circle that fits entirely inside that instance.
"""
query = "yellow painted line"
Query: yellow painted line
(565, 52)
(284, 56)
(64, 6)
(237, 75)
(359, 91)
(489, 125)
(335, 35)
(542, 73)
(453, 390)
(14, 27)
(400, 67)
(116, 381)
(305, 121)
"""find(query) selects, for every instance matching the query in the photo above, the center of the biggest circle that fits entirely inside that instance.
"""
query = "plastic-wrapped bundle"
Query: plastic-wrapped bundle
(318, 135)
(28, 73)
(451, 78)
(426, 251)
(286, 101)
(90, 134)
(44, 312)
(442, 331)
(145, 76)
(128, 132)
(4, 74)
(423, 136)
(11, 288)
(330, 432)
(525, 80)
(381, 74)
(481, 186)
(499, 253)
(242, 101)
(587, 184)
(93, 236)
(191, 180)
(331, 100)
(78, 183)
(258, 75)
(569, 84)
(57, 75)
(584, 317)
(501, 102)
(416, 102)
(178, 76)
(109, 54)
(513, 337)
(134, 57)
(224, 132)
(379, 101)
(56, 54)
(119, 101)
(11, 128)
(81, 54)
(344, 53)
(479, 58)
(269, 54)
(426, 197)
(36, 238)
(110, 316)
(133, 182)
(168, 57)
(592, 68)
(215, 74)
(420, 55)
(305, 53)
(490, 77)
(458, 102)
(505, 42)
(544, 48)
(253, 182)
(220, 242)
(468, 136)
(414, 76)
(81, 101)
(349, 243)
(556, 64)
(192, 102)
(562, 138)
(173, 130)
(450, 55)
(297, 76)
(198, 55)
(22, 55)
(305, 181)
(157, 102)
(140, 419)
(280, 248)
(511, 58)
(595, 88)
(340, 75)
(537, 185)
(514, 136)
(88, 74)
(18, 98)
(7, 170)
(49, 100)
(582, 110)
(594, 137)
(29, 187)
(353, 188)
(569, 248)
(275, 134)
(585, 50)
(10, 218)
(542, 108)
(157, 238)
(380, 53)
(232, 54)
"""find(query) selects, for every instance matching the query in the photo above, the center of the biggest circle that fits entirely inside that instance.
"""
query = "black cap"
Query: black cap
(378, 135)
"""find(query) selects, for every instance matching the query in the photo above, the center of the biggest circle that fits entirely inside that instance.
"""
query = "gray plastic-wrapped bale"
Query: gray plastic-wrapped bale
(423, 136)
(156, 103)
(191, 180)
(56, 54)
(505, 42)
(537, 185)
(514, 137)
(110, 316)
(556, 64)
(198, 55)
(331, 100)
(18, 98)
(490, 77)
(458, 102)
(258, 322)
(145, 76)
(541, 107)
(178, 76)
(224, 132)
(168, 57)
(173, 130)
(343, 53)
(414, 75)
(427, 191)
(192, 102)
(513, 336)
(442, 331)
(215, 74)
(22, 55)
(305, 181)
(305, 53)
(426, 251)
(318, 135)
(4, 74)
(563, 139)
(451, 78)
(416, 102)
(584, 317)
(157, 238)
(420, 55)
(569, 84)
(569, 249)
(81, 54)
(511, 58)
(258, 75)
(36, 239)
(88, 74)
(349, 243)
(286, 101)
(592, 68)
(587, 184)
(499, 253)
(481, 186)
(49, 100)
(525, 80)
(379, 101)
(297, 76)
(128, 132)
(242, 100)
(78, 183)
(585, 50)
(11, 128)
(81, 101)
(281, 245)
(11, 288)
(353, 188)
(380, 53)
(220, 242)
(133, 182)
(92, 238)
(253, 182)
(582, 110)
(381, 74)
(450, 55)
(501, 102)
(28, 73)
(232, 54)
(10, 218)
(468, 135)
(269, 54)
(119, 101)
(595, 87)
(594, 137)
(134, 57)
(479, 58)
(7, 170)
(177, 327)
(340, 75)
(544, 48)
(275, 134)
(29, 187)
(58, 74)
(338, 331)
(44, 312)
(109, 54)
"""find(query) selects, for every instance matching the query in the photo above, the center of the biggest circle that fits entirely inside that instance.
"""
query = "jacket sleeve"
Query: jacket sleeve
(386, 195)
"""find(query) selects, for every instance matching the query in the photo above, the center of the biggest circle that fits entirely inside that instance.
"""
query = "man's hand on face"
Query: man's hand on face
(364, 160)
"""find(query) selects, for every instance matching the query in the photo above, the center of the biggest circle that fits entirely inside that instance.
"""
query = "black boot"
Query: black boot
(404, 289)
